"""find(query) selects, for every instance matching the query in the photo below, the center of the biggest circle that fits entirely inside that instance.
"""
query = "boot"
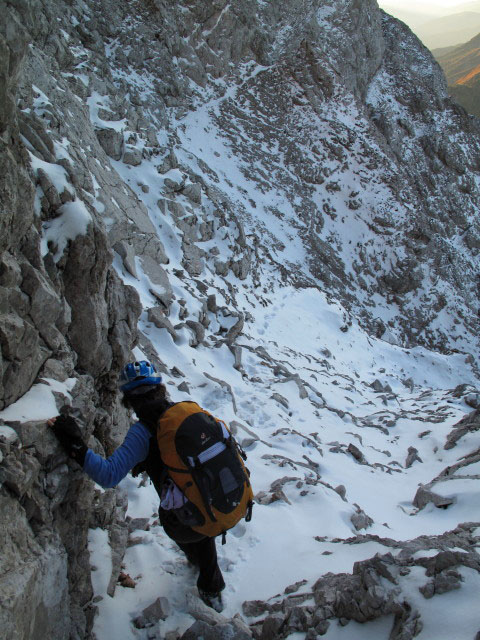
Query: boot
(212, 599)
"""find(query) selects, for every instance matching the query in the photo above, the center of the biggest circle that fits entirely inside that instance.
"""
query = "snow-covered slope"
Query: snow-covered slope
(330, 456)
(280, 209)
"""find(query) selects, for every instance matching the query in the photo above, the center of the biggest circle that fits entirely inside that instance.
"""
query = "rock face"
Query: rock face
(380, 196)
(376, 587)
(65, 314)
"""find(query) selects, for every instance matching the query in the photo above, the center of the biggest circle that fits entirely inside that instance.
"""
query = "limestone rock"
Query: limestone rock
(235, 331)
(174, 180)
(272, 626)
(280, 399)
(138, 523)
(159, 279)
(193, 259)
(221, 268)
(226, 631)
(424, 496)
(473, 400)
(193, 192)
(158, 610)
(198, 331)
(295, 587)
(442, 583)
(360, 520)
(241, 268)
(199, 610)
(160, 320)
(469, 423)
(127, 253)
(132, 156)
(412, 457)
(356, 453)
(111, 142)
(255, 608)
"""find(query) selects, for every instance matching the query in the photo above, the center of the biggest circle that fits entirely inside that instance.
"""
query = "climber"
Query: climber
(144, 393)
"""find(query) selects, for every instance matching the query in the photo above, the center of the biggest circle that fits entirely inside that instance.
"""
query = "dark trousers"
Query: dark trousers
(199, 549)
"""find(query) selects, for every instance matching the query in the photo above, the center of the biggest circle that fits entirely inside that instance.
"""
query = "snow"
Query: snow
(302, 329)
(96, 102)
(72, 221)
(57, 174)
(41, 100)
(376, 630)
(448, 616)
(100, 560)
(294, 319)
(356, 360)
(470, 470)
(7, 434)
(39, 402)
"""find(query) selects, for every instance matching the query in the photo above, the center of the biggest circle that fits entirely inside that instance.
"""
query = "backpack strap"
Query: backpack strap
(153, 465)
(207, 499)
(248, 515)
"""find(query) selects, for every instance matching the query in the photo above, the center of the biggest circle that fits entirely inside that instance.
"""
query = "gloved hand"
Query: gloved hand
(70, 437)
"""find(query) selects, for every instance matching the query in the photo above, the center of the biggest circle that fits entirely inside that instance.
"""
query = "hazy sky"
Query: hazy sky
(421, 4)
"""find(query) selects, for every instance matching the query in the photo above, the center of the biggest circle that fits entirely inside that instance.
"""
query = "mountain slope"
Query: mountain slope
(462, 67)
(460, 64)
(467, 96)
(280, 209)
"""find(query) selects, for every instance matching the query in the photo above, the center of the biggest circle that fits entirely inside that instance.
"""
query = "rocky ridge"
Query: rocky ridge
(118, 224)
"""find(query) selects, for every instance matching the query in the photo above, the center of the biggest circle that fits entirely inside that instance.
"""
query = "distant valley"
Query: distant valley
(440, 28)
(454, 39)
(461, 65)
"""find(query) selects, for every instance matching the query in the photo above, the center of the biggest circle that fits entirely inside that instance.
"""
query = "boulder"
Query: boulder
(356, 453)
(132, 156)
(424, 496)
(126, 251)
(161, 286)
(467, 424)
(160, 320)
(158, 610)
(198, 332)
(360, 520)
(226, 631)
(412, 457)
(193, 191)
(111, 142)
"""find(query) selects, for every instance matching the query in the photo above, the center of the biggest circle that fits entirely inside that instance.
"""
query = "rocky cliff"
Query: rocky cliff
(167, 168)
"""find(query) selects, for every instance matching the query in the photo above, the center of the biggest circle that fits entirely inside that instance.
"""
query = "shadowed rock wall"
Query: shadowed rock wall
(67, 319)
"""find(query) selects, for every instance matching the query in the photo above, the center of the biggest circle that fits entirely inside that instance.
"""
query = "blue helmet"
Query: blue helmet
(136, 374)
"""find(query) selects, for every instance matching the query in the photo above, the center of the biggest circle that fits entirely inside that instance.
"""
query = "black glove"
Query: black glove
(70, 437)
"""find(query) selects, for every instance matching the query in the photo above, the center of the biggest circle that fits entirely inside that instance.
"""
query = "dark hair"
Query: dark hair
(148, 406)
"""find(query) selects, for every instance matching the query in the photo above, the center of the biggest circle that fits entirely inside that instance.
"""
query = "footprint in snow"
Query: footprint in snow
(238, 530)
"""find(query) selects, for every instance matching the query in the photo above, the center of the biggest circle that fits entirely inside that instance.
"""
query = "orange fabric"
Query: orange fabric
(168, 425)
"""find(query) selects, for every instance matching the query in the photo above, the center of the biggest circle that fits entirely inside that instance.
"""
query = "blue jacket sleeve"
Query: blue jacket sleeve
(108, 472)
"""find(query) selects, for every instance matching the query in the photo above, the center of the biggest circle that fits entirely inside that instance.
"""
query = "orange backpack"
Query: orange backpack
(205, 462)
